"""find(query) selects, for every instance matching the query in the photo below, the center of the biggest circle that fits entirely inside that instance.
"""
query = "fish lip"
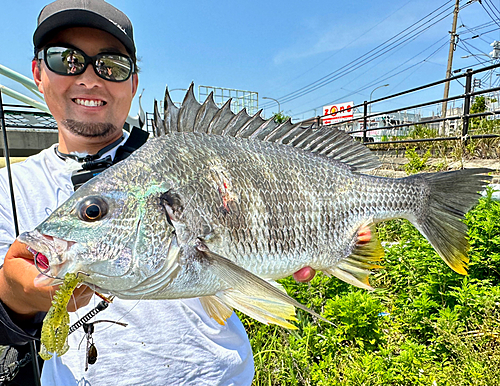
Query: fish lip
(53, 249)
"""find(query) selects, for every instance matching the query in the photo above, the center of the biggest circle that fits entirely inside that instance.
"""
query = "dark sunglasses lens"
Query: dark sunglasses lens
(113, 67)
(65, 61)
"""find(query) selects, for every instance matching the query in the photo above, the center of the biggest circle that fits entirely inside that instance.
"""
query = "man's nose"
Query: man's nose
(89, 78)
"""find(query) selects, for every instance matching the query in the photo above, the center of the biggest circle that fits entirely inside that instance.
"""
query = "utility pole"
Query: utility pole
(450, 63)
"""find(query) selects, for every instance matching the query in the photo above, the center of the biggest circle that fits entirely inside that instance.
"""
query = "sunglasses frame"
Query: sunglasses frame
(92, 60)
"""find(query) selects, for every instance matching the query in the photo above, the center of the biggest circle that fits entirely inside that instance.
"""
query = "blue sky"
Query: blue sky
(278, 47)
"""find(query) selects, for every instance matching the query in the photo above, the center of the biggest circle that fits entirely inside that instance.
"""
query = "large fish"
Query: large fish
(220, 205)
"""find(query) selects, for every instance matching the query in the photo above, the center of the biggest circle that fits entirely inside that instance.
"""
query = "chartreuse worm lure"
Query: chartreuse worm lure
(56, 323)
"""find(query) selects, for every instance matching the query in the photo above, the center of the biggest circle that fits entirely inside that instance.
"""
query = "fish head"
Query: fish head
(105, 233)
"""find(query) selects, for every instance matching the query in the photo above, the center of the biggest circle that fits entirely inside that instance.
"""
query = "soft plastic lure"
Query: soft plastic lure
(56, 323)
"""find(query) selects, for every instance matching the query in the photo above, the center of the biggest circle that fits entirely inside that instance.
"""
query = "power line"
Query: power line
(325, 80)
(381, 78)
(490, 4)
(491, 17)
(413, 33)
(347, 45)
(477, 49)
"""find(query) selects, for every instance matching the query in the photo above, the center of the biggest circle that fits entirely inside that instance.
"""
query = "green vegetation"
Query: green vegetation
(423, 325)
(478, 106)
(422, 131)
(281, 117)
(416, 163)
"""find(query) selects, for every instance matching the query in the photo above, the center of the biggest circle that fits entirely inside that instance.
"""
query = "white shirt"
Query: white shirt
(166, 342)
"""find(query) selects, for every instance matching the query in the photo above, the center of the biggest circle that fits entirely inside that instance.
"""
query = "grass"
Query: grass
(486, 148)
(424, 325)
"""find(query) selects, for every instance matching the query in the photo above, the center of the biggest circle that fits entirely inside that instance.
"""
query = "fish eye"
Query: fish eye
(93, 208)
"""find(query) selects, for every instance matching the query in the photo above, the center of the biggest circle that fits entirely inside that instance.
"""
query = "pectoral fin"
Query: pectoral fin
(252, 295)
(355, 268)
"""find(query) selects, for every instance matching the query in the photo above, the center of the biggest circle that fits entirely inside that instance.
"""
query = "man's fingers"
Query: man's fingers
(81, 297)
(304, 275)
(18, 249)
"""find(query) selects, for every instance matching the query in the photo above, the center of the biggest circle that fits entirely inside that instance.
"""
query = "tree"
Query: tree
(479, 105)
(280, 117)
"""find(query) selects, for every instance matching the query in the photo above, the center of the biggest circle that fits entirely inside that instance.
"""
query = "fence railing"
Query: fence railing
(27, 117)
(464, 117)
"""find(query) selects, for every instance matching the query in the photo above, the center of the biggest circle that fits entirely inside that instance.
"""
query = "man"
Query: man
(164, 342)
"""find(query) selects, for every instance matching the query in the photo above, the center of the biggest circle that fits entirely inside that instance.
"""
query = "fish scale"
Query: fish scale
(219, 204)
(261, 184)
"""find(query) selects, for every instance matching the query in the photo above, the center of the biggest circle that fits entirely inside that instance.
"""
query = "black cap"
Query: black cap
(97, 14)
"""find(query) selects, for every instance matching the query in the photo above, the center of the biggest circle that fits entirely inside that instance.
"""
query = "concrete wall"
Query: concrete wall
(23, 143)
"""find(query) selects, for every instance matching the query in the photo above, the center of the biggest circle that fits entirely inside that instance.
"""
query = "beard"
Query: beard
(89, 130)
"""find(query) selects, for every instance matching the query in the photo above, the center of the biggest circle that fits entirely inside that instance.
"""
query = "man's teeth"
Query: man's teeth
(89, 102)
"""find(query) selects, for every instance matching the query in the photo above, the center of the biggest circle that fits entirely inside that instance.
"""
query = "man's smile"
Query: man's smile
(89, 102)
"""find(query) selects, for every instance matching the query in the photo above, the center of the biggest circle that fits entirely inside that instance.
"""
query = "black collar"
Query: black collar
(88, 158)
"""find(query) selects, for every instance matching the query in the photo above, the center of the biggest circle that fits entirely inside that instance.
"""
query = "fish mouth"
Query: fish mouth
(49, 256)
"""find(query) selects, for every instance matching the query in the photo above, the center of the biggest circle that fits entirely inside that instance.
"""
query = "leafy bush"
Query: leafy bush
(415, 162)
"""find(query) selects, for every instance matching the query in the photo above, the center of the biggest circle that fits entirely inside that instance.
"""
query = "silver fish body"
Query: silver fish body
(213, 216)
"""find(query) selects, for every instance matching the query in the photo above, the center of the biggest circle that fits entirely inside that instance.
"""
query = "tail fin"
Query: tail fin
(451, 195)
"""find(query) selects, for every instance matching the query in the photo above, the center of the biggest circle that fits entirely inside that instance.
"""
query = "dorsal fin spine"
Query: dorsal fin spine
(208, 118)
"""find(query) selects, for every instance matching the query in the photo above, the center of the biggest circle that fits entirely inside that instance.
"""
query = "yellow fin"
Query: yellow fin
(264, 310)
(216, 309)
(355, 268)
(251, 294)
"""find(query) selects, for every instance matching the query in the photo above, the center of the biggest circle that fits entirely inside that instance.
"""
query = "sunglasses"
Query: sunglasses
(71, 61)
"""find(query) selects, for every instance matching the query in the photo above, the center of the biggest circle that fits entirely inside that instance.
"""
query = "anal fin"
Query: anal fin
(356, 268)
(251, 294)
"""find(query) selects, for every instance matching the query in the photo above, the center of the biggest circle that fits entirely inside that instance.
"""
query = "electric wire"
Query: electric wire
(484, 33)
(491, 17)
(381, 78)
(347, 45)
(492, 8)
(477, 36)
(376, 81)
(366, 54)
(334, 75)
(419, 63)
(470, 30)
(465, 45)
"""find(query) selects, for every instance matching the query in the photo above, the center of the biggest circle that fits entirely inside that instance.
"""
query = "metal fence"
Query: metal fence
(27, 117)
(463, 118)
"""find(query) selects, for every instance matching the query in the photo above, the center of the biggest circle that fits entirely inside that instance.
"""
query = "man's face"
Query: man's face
(86, 104)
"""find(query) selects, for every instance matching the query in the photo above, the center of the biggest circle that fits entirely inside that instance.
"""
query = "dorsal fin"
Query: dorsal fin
(158, 125)
(208, 118)
(234, 124)
(221, 119)
(187, 114)
(205, 114)
(250, 126)
(170, 114)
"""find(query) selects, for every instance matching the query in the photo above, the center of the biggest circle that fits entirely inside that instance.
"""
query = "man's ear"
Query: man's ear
(37, 74)
(135, 84)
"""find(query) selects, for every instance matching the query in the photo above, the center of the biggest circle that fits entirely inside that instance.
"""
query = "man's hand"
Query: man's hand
(17, 289)
(304, 275)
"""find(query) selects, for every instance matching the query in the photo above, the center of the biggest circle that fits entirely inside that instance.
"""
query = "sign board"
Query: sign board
(337, 113)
